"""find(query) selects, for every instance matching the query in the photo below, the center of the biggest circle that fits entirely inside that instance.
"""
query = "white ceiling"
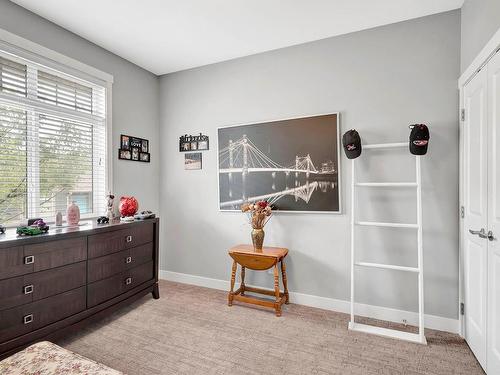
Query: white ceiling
(165, 36)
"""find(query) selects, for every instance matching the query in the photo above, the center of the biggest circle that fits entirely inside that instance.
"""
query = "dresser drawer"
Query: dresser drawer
(28, 288)
(109, 265)
(115, 241)
(12, 262)
(111, 287)
(12, 293)
(23, 319)
(53, 254)
(59, 280)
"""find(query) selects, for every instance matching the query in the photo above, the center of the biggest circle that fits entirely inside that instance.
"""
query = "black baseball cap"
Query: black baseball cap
(419, 139)
(352, 144)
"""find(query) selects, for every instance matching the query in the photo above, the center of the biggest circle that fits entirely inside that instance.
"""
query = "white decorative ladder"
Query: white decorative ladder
(413, 337)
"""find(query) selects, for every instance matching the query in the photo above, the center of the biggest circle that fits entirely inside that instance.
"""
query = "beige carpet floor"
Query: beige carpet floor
(191, 330)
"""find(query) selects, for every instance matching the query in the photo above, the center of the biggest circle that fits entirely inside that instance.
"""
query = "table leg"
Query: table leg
(285, 283)
(233, 278)
(242, 281)
(277, 304)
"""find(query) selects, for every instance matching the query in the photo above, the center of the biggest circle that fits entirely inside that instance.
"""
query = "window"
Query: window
(52, 142)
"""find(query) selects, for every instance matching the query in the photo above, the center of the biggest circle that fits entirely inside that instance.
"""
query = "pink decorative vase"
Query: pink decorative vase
(73, 214)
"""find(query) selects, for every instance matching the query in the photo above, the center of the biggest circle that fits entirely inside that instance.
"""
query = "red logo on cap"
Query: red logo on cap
(351, 147)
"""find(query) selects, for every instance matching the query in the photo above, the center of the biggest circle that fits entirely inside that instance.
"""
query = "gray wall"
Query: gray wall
(135, 97)
(480, 20)
(380, 80)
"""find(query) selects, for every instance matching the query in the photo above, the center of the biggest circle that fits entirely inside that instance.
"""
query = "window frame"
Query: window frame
(36, 57)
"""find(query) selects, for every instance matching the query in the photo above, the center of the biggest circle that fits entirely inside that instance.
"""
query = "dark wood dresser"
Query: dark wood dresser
(54, 283)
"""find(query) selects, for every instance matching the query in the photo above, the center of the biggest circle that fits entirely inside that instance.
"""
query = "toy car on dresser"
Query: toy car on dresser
(36, 228)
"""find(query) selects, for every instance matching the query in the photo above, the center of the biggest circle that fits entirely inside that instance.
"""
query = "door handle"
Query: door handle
(490, 235)
(481, 233)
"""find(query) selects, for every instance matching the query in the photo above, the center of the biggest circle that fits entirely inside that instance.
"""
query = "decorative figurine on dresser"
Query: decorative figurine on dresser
(110, 199)
(51, 284)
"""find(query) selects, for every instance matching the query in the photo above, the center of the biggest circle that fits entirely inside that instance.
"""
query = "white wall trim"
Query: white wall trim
(376, 312)
(18, 42)
(484, 56)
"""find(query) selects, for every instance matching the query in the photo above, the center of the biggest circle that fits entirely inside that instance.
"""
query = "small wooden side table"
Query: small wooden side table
(247, 257)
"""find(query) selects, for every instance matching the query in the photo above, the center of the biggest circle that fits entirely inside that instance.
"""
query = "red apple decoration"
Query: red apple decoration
(128, 206)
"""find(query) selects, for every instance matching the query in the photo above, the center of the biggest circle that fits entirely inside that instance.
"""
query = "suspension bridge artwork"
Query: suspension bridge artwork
(292, 163)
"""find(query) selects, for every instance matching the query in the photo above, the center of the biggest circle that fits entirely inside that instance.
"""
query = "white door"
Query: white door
(493, 353)
(476, 214)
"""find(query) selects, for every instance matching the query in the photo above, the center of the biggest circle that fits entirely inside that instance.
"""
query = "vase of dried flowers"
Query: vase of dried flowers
(259, 214)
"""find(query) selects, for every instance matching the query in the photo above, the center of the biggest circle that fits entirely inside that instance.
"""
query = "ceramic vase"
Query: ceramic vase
(258, 239)
(128, 206)
(73, 214)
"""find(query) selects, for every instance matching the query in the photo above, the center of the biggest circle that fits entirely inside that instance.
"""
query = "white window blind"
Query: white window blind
(12, 77)
(64, 93)
(52, 143)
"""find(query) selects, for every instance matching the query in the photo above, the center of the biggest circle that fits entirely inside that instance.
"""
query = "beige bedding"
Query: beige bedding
(45, 358)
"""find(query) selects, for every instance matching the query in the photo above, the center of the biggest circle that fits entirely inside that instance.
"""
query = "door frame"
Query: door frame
(489, 50)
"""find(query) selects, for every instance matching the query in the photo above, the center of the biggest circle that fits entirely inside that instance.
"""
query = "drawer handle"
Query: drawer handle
(28, 319)
(128, 260)
(129, 238)
(28, 289)
(128, 281)
(30, 259)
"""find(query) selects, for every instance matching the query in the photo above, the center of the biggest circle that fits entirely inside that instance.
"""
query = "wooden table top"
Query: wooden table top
(267, 251)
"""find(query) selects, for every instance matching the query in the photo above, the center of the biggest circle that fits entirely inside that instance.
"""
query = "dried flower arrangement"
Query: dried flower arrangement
(259, 214)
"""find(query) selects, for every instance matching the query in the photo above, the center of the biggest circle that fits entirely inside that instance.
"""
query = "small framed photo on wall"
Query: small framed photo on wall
(124, 154)
(192, 161)
(125, 142)
(144, 157)
(202, 145)
(135, 153)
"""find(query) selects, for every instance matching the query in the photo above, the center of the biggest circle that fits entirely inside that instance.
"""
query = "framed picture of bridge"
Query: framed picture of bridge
(291, 163)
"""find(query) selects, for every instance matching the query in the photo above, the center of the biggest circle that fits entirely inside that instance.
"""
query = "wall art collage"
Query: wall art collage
(188, 143)
(134, 148)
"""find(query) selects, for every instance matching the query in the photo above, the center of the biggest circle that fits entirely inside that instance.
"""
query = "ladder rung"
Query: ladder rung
(385, 145)
(386, 332)
(387, 266)
(392, 225)
(387, 184)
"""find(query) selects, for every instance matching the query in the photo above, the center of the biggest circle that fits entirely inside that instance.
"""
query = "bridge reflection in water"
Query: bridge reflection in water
(302, 191)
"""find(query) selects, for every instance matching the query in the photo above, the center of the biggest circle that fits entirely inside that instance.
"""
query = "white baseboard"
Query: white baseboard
(371, 311)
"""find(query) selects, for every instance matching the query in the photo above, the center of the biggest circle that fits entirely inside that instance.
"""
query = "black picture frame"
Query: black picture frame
(202, 145)
(124, 142)
(193, 143)
(144, 157)
(131, 148)
(124, 154)
(135, 153)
